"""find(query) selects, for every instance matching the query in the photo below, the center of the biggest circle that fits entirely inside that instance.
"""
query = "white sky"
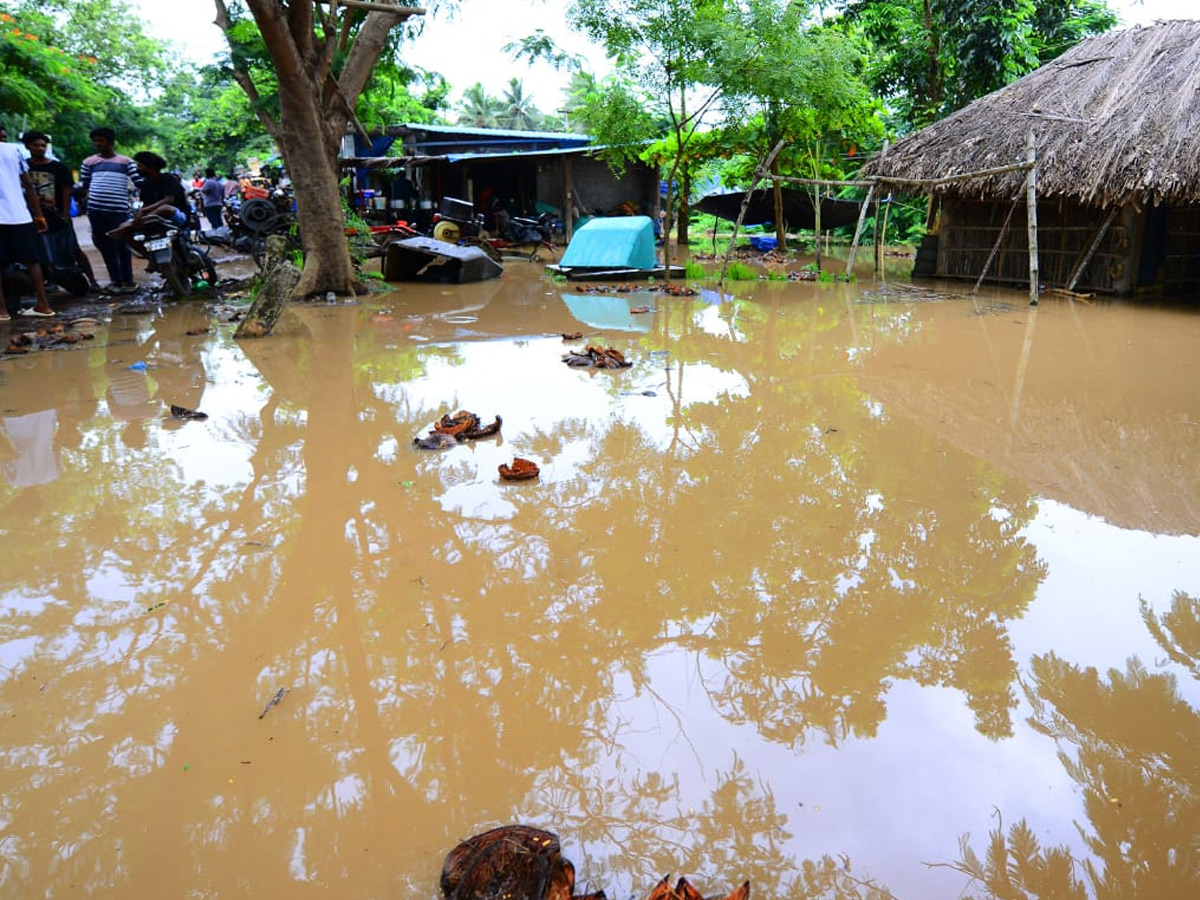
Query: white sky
(465, 45)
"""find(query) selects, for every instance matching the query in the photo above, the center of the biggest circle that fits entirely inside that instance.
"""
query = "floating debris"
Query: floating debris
(464, 425)
(572, 335)
(273, 702)
(594, 357)
(659, 287)
(436, 441)
(520, 470)
(182, 412)
(527, 862)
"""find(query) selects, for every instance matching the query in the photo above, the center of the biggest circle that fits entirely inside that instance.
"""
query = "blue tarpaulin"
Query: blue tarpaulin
(612, 243)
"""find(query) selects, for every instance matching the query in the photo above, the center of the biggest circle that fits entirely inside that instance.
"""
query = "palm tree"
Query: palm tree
(518, 110)
(478, 110)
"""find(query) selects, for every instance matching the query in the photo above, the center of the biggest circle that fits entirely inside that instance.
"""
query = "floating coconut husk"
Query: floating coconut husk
(465, 426)
(482, 431)
(460, 423)
(520, 861)
(520, 470)
(597, 358)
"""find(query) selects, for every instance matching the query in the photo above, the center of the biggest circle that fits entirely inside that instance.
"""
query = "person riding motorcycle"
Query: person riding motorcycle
(162, 195)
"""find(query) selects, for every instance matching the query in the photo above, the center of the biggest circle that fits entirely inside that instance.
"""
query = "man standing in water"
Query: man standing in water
(21, 221)
(105, 176)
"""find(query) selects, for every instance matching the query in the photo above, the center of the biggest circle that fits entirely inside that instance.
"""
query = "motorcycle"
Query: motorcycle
(172, 255)
(521, 232)
(457, 220)
(252, 221)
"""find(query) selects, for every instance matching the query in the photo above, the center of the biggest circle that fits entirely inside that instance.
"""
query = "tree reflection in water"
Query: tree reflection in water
(1129, 740)
(449, 670)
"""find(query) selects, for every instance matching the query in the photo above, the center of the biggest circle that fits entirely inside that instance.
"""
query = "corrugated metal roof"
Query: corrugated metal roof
(499, 132)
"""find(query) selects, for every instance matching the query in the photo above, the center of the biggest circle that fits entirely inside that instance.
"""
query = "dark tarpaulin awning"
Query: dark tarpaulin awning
(797, 208)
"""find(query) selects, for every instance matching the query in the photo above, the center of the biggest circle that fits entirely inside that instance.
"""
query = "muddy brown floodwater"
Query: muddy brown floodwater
(832, 579)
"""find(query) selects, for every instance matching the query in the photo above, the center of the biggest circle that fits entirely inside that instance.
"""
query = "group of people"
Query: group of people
(36, 195)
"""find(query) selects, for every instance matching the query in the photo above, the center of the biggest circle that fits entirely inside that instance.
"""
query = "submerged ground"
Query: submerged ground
(831, 579)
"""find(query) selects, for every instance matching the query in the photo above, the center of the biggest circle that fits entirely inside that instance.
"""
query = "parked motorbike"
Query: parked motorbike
(58, 263)
(172, 255)
(251, 221)
(455, 220)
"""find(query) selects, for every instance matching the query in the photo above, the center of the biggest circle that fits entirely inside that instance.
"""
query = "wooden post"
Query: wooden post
(862, 218)
(887, 209)
(568, 201)
(878, 232)
(1031, 201)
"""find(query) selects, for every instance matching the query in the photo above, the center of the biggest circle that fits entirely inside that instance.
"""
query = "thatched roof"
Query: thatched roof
(1117, 117)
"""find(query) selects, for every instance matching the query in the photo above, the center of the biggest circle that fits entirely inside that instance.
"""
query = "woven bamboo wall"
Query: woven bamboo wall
(1065, 231)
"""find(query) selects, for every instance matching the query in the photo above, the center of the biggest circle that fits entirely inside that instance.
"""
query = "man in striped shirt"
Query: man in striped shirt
(105, 176)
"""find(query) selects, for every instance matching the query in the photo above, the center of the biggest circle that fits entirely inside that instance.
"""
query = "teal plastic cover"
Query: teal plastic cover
(616, 242)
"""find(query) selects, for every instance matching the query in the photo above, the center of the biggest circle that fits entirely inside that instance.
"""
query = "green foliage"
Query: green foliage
(397, 95)
(616, 113)
(935, 56)
(514, 110)
(693, 271)
(539, 46)
(65, 67)
(478, 108)
(204, 120)
(741, 272)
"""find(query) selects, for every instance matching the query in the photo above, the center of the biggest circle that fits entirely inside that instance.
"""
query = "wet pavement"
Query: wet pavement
(830, 579)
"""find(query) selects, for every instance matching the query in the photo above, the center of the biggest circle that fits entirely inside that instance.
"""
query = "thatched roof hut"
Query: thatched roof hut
(1116, 117)
(1116, 123)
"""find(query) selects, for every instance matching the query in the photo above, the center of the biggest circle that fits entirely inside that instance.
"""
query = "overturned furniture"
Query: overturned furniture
(427, 259)
(616, 247)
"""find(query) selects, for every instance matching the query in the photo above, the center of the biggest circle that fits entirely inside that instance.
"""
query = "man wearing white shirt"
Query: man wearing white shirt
(21, 221)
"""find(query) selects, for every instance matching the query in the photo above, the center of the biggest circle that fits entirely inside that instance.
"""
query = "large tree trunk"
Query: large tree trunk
(322, 55)
(314, 173)
(780, 225)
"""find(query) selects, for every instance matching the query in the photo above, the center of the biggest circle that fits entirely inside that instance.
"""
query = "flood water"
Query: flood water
(832, 579)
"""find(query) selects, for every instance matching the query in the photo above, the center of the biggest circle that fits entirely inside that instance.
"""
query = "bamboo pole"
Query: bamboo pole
(996, 246)
(758, 175)
(862, 217)
(1031, 201)
(1087, 258)
(887, 209)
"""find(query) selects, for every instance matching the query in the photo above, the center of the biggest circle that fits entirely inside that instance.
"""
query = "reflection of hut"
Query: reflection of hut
(1077, 425)
(528, 172)
(1118, 169)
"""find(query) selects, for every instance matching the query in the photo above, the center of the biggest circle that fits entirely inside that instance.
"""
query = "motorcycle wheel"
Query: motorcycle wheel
(181, 286)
